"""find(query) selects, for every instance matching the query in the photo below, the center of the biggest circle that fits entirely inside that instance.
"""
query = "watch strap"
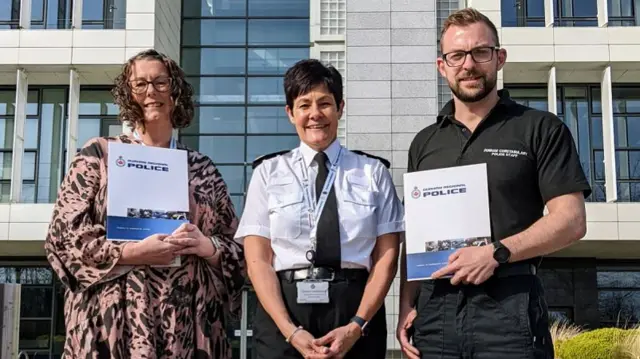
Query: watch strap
(362, 323)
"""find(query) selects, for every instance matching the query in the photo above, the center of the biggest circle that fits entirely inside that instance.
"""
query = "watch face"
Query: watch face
(501, 255)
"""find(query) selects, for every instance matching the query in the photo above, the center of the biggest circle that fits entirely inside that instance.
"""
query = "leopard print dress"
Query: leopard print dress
(116, 311)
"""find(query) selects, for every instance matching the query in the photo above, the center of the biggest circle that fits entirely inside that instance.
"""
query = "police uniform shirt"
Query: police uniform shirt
(530, 155)
(275, 208)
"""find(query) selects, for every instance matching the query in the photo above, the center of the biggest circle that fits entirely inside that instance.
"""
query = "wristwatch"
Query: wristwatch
(361, 323)
(501, 253)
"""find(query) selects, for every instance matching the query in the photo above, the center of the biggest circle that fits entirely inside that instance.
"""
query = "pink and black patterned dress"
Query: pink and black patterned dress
(115, 311)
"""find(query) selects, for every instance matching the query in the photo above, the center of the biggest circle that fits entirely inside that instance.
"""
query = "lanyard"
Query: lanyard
(315, 209)
(172, 143)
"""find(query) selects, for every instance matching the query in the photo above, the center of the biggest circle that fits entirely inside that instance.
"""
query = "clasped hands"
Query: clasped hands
(162, 249)
(334, 344)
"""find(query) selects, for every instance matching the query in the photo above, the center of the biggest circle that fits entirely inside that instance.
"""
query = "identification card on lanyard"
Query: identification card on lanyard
(172, 145)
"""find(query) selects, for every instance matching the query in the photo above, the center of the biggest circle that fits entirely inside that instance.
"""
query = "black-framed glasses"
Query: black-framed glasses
(161, 84)
(479, 55)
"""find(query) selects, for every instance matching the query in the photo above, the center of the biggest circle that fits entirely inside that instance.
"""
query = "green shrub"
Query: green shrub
(595, 344)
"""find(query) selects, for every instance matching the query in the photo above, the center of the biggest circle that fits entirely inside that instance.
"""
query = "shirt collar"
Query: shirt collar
(449, 108)
(309, 153)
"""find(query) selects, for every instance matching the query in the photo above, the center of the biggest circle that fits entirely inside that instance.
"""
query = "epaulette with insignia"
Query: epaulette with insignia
(384, 161)
(259, 160)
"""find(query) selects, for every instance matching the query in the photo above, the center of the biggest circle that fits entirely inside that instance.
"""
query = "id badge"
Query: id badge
(310, 292)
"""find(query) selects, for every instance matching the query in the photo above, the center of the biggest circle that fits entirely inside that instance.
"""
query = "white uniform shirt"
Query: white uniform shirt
(275, 208)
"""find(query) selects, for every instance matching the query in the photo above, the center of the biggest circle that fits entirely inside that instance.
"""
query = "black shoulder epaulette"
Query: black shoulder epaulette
(259, 160)
(384, 161)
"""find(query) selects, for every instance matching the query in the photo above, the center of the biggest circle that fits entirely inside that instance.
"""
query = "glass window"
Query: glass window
(266, 90)
(6, 133)
(234, 178)
(219, 90)
(214, 32)
(216, 119)
(576, 12)
(238, 203)
(274, 61)
(88, 128)
(268, 119)
(51, 144)
(279, 8)
(221, 149)
(97, 102)
(204, 8)
(626, 132)
(279, 32)
(9, 14)
(213, 61)
(262, 145)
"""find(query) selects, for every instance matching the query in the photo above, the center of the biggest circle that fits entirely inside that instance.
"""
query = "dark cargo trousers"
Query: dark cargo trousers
(502, 318)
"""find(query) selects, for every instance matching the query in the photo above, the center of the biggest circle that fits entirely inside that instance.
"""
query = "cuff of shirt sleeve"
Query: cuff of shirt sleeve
(390, 227)
(251, 231)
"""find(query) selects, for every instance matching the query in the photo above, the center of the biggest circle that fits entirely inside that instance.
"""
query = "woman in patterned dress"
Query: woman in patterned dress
(117, 305)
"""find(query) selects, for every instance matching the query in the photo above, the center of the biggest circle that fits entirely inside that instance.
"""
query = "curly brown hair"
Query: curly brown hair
(181, 92)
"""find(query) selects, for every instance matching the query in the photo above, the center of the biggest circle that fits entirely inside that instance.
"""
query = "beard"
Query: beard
(480, 91)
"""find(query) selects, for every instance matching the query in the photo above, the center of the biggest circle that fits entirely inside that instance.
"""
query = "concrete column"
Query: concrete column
(25, 14)
(552, 91)
(603, 13)
(18, 135)
(608, 143)
(76, 14)
(74, 110)
(9, 319)
(549, 13)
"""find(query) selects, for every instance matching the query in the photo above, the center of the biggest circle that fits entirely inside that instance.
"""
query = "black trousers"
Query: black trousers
(501, 318)
(319, 319)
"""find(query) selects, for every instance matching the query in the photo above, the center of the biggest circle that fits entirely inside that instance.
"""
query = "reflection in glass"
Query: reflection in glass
(97, 102)
(87, 129)
(221, 149)
(268, 119)
(274, 61)
(279, 32)
(262, 145)
(266, 90)
(279, 8)
(217, 119)
(51, 144)
(209, 61)
(197, 8)
(213, 32)
(218, 90)
(619, 307)
(35, 334)
(36, 302)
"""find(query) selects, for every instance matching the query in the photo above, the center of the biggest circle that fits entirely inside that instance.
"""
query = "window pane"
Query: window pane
(596, 132)
(213, 61)
(619, 306)
(238, 204)
(535, 8)
(6, 133)
(599, 164)
(97, 103)
(234, 178)
(276, 32)
(32, 103)
(266, 90)
(221, 149)
(93, 10)
(633, 132)
(36, 302)
(196, 8)
(29, 166)
(274, 61)
(584, 8)
(31, 133)
(87, 129)
(278, 8)
(628, 165)
(7, 102)
(621, 279)
(5, 166)
(51, 144)
(626, 99)
(596, 103)
(213, 32)
(249, 171)
(219, 90)
(265, 119)
(35, 334)
(262, 145)
(216, 120)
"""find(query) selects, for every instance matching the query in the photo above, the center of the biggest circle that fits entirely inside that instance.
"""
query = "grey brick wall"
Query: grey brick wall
(391, 86)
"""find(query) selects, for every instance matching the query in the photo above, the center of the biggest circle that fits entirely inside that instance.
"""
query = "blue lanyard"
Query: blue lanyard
(316, 208)
(172, 143)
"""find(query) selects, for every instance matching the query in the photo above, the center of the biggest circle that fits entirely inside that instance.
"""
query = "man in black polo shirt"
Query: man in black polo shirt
(493, 307)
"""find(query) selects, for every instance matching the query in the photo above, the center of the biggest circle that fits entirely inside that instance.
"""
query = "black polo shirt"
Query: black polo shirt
(530, 155)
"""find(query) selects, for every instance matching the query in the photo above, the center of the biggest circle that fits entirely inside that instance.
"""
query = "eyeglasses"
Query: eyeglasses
(479, 55)
(161, 84)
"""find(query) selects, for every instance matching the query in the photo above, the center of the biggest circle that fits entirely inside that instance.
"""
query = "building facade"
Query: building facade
(58, 59)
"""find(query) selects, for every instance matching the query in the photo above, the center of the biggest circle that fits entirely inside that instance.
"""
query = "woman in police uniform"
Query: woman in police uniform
(321, 233)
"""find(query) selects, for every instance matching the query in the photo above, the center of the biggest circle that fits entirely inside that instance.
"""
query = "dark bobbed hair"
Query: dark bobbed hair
(302, 77)
(181, 92)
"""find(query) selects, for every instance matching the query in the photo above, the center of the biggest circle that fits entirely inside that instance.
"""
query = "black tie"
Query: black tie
(328, 232)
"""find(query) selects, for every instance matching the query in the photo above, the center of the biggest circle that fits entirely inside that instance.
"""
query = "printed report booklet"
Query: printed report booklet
(147, 191)
(445, 209)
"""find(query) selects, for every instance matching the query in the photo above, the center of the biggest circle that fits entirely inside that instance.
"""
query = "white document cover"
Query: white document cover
(147, 191)
(445, 209)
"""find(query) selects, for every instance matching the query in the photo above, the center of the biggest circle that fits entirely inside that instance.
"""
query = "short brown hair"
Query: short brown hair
(181, 92)
(466, 17)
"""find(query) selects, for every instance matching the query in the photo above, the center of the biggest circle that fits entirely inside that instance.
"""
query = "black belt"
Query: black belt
(324, 274)
(515, 269)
